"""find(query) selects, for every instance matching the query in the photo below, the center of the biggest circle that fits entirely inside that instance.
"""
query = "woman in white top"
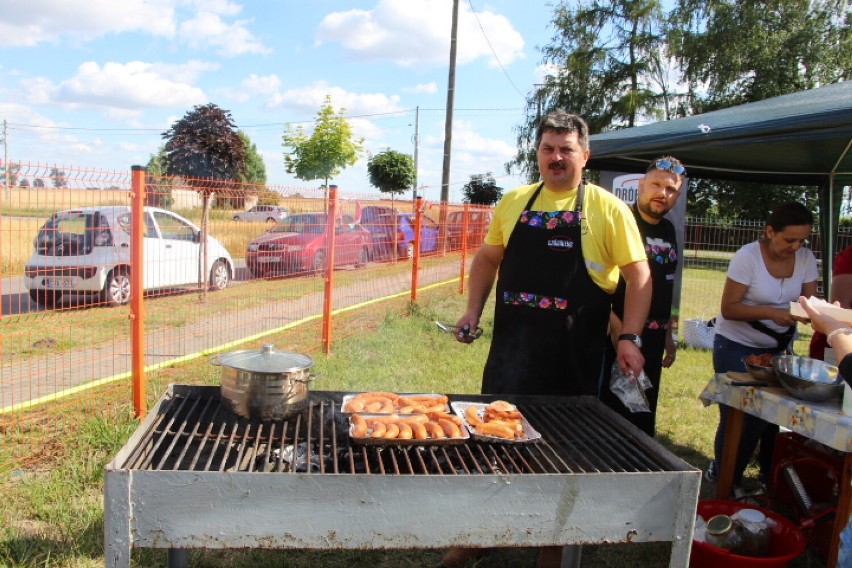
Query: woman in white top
(763, 278)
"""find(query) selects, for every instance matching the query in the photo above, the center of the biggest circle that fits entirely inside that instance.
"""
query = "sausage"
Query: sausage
(450, 428)
(434, 430)
(392, 430)
(495, 429)
(359, 426)
(405, 432)
(378, 428)
(418, 430)
(354, 405)
(472, 416)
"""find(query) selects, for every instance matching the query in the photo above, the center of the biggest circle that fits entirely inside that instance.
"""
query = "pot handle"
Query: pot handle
(309, 378)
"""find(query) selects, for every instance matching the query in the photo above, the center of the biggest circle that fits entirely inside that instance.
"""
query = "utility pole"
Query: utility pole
(6, 161)
(416, 141)
(448, 124)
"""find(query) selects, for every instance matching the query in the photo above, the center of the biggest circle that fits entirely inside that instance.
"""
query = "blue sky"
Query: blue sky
(94, 83)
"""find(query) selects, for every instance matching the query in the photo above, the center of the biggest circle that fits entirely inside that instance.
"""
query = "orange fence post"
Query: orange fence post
(415, 261)
(330, 224)
(137, 305)
(465, 224)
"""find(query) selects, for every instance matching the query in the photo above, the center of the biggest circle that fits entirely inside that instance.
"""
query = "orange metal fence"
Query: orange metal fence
(78, 246)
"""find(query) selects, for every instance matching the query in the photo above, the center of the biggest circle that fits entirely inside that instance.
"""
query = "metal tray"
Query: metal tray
(531, 435)
(401, 442)
(348, 397)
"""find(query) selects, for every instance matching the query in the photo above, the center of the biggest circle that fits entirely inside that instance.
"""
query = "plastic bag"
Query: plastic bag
(630, 390)
(698, 333)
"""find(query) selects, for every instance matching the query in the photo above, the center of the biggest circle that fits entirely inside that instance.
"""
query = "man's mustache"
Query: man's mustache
(560, 165)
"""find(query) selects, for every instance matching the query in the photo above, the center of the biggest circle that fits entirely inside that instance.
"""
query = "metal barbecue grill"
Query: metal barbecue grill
(195, 475)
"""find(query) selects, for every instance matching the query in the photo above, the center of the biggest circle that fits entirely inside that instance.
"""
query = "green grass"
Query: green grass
(53, 516)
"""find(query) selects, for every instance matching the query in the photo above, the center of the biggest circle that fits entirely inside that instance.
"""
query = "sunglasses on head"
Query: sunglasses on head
(668, 166)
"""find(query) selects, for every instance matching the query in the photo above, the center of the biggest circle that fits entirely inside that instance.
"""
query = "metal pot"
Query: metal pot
(265, 384)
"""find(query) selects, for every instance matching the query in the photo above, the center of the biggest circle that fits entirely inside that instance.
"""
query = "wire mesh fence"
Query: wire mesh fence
(223, 264)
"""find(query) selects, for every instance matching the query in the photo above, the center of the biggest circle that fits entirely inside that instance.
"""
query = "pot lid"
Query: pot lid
(266, 360)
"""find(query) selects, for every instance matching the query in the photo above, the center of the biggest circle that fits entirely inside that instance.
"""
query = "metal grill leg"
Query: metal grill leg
(178, 558)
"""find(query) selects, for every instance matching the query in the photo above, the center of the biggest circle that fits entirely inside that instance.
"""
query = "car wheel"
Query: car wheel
(409, 250)
(117, 287)
(271, 221)
(363, 257)
(46, 298)
(318, 264)
(220, 275)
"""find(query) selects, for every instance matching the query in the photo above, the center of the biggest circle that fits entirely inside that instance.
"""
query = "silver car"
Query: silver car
(263, 214)
(87, 250)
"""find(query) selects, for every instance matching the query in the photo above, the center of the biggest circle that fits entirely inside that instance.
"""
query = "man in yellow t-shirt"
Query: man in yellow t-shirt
(558, 246)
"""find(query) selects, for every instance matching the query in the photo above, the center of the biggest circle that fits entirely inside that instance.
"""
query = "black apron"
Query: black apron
(550, 318)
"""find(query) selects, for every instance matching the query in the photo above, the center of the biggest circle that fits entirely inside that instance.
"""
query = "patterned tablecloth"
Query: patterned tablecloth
(820, 421)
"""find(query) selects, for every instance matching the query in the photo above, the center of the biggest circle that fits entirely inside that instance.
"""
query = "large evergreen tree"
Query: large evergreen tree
(614, 62)
(607, 64)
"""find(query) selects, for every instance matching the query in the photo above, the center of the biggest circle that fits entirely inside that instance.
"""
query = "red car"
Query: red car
(298, 244)
(477, 227)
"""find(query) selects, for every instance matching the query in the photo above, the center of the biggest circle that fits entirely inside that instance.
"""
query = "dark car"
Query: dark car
(298, 244)
(477, 227)
(398, 230)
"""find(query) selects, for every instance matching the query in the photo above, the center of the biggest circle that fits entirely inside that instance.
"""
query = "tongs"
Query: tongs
(461, 331)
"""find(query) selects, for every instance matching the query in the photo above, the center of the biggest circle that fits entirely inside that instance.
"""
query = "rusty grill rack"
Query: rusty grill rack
(194, 431)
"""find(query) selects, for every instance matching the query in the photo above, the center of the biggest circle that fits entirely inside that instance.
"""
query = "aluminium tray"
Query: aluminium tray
(531, 435)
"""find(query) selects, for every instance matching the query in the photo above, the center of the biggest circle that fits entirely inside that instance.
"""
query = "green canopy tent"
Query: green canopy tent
(803, 138)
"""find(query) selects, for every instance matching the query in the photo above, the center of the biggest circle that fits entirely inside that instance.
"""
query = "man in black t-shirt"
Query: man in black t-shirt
(658, 193)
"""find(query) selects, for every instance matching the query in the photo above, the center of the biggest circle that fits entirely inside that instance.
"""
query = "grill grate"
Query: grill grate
(194, 431)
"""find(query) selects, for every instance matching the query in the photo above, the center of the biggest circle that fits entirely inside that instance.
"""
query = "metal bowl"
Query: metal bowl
(808, 379)
(760, 372)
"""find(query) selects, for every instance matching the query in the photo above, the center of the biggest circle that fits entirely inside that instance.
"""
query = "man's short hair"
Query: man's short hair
(561, 122)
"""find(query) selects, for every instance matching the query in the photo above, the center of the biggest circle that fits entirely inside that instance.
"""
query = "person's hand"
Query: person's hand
(630, 359)
(466, 322)
(783, 317)
(819, 321)
(671, 350)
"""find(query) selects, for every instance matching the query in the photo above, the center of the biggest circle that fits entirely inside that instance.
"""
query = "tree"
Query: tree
(748, 50)
(609, 66)
(329, 149)
(158, 186)
(482, 190)
(391, 171)
(58, 178)
(255, 168)
(203, 146)
(614, 61)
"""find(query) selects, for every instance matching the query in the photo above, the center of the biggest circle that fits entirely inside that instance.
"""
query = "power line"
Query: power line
(261, 125)
(500, 63)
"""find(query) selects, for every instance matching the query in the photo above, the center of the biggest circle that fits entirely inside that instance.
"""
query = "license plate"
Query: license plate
(59, 283)
(269, 259)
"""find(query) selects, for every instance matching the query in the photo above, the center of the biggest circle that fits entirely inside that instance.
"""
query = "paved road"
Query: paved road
(64, 373)
(15, 298)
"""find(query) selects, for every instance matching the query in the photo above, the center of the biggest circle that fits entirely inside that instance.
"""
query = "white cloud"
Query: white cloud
(425, 88)
(201, 24)
(415, 32)
(307, 100)
(255, 86)
(207, 29)
(37, 21)
(132, 86)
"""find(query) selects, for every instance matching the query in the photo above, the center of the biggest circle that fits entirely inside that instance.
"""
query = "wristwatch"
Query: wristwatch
(632, 337)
